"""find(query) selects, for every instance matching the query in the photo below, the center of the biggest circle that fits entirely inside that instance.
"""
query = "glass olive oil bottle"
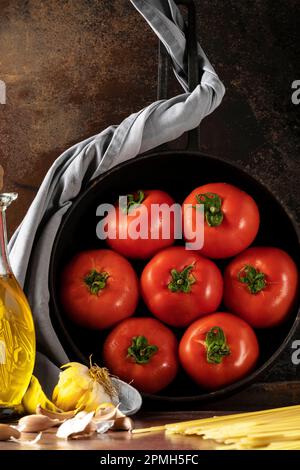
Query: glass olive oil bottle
(17, 336)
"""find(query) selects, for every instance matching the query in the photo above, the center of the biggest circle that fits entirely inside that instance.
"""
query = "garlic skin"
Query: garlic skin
(79, 425)
(83, 388)
(61, 416)
(35, 396)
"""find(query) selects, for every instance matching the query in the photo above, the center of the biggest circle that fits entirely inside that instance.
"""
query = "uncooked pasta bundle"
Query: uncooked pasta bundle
(275, 429)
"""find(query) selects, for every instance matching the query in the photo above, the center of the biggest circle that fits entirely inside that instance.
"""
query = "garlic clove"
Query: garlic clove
(36, 423)
(75, 425)
(105, 408)
(30, 442)
(122, 424)
(76, 365)
(89, 400)
(105, 414)
(7, 432)
(114, 415)
(119, 413)
(75, 371)
(67, 396)
(60, 416)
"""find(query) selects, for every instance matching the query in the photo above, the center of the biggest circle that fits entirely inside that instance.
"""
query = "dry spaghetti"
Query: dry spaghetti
(273, 429)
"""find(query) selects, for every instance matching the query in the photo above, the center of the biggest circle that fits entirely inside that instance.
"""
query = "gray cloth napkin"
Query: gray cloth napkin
(160, 122)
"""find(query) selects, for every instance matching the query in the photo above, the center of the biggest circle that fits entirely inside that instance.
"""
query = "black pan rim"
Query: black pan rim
(67, 340)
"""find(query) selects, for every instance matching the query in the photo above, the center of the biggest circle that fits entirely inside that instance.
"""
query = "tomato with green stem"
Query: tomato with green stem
(260, 285)
(143, 226)
(142, 351)
(179, 285)
(231, 219)
(218, 350)
(99, 288)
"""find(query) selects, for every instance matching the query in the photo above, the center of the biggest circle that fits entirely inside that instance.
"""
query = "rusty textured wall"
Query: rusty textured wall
(74, 67)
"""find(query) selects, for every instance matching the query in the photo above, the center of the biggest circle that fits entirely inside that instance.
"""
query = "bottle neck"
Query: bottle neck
(5, 268)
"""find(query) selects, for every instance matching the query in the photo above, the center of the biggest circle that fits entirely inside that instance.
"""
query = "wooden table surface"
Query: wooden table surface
(257, 396)
(125, 440)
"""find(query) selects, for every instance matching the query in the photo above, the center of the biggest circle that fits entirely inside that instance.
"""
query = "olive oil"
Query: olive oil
(17, 336)
(17, 342)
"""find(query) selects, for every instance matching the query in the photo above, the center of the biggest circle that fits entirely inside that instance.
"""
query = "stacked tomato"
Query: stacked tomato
(182, 289)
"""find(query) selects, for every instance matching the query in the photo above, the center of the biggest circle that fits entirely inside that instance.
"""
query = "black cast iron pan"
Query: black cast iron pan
(176, 172)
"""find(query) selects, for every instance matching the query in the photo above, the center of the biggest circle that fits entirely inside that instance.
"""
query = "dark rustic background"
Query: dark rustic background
(73, 68)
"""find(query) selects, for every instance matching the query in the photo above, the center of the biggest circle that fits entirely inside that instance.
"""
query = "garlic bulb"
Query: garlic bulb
(83, 388)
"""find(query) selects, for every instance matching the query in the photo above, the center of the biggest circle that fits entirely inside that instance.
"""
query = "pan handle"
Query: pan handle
(193, 66)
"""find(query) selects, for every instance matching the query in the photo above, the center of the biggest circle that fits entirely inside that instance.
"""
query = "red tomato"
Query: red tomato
(231, 219)
(99, 288)
(218, 350)
(142, 351)
(126, 221)
(178, 286)
(260, 285)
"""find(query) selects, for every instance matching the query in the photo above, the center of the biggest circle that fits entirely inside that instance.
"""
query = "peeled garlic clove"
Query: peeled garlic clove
(6, 432)
(60, 416)
(75, 425)
(36, 423)
(123, 424)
